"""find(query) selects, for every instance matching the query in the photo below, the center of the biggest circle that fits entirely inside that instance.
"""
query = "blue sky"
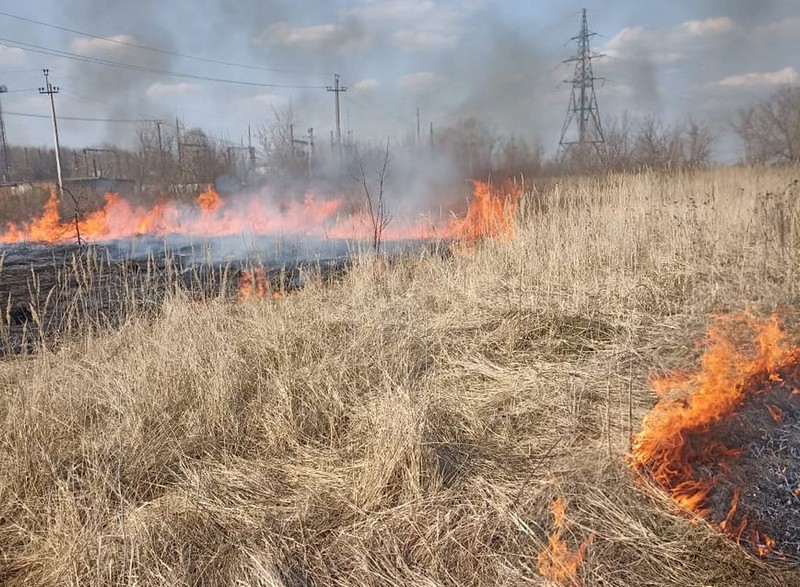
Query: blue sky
(497, 60)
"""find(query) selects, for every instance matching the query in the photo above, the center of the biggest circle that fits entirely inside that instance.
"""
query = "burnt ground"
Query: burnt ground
(48, 292)
(766, 473)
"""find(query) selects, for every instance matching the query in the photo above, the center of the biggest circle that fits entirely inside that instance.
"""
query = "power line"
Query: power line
(96, 60)
(82, 118)
(162, 51)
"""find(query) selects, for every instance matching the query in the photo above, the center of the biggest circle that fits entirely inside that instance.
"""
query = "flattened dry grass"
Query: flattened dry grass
(408, 425)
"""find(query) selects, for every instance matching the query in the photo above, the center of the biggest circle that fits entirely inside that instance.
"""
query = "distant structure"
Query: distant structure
(582, 128)
(6, 168)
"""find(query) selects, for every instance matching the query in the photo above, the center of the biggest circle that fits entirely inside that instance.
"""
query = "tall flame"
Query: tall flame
(490, 213)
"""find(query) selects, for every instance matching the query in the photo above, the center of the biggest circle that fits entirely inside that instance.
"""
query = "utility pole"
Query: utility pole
(6, 162)
(310, 150)
(51, 90)
(431, 137)
(250, 149)
(582, 113)
(419, 134)
(158, 124)
(180, 150)
(337, 89)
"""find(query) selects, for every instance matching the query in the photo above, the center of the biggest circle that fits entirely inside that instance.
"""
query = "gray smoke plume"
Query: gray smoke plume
(118, 92)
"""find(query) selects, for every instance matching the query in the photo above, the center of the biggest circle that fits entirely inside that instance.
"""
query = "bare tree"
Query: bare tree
(770, 130)
(377, 209)
(697, 143)
(652, 144)
(618, 152)
(287, 159)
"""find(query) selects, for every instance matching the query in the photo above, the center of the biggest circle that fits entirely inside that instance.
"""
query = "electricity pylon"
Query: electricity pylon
(582, 127)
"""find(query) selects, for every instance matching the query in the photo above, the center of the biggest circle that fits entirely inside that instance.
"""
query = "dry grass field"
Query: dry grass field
(409, 424)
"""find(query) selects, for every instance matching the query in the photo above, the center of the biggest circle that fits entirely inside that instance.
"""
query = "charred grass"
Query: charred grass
(409, 424)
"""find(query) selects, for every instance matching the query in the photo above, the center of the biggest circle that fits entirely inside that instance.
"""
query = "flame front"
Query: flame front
(675, 447)
(489, 214)
(557, 562)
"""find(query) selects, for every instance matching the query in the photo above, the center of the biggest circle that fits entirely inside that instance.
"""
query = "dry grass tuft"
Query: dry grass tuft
(402, 426)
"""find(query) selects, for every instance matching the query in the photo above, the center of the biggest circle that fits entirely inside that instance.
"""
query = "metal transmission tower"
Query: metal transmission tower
(583, 114)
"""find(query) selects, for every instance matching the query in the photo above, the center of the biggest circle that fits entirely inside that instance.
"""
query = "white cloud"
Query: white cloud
(411, 25)
(327, 36)
(785, 76)
(420, 80)
(366, 85)
(159, 89)
(669, 45)
(417, 25)
(11, 56)
(708, 27)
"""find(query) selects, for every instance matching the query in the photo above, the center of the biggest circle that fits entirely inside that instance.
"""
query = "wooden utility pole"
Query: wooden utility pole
(3, 143)
(180, 150)
(337, 89)
(158, 124)
(310, 150)
(251, 151)
(51, 90)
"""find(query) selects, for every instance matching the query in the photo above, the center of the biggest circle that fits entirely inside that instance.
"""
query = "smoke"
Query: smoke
(502, 78)
(454, 60)
(116, 92)
(744, 11)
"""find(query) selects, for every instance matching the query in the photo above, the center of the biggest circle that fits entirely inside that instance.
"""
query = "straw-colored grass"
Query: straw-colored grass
(408, 425)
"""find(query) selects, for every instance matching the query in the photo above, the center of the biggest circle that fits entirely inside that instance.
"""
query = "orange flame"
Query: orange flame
(209, 216)
(490, 213)
(557, 562)
(253, 285)
(690, 404)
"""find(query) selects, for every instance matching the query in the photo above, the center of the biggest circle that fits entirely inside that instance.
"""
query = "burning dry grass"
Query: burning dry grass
(402, 426)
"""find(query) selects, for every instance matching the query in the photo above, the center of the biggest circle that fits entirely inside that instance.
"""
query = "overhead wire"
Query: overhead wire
(118, 41)
(33, 48)
(81, 118)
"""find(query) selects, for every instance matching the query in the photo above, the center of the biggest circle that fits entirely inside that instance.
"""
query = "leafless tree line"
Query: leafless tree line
(165, 156)
(160, 158)
(770, 129)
